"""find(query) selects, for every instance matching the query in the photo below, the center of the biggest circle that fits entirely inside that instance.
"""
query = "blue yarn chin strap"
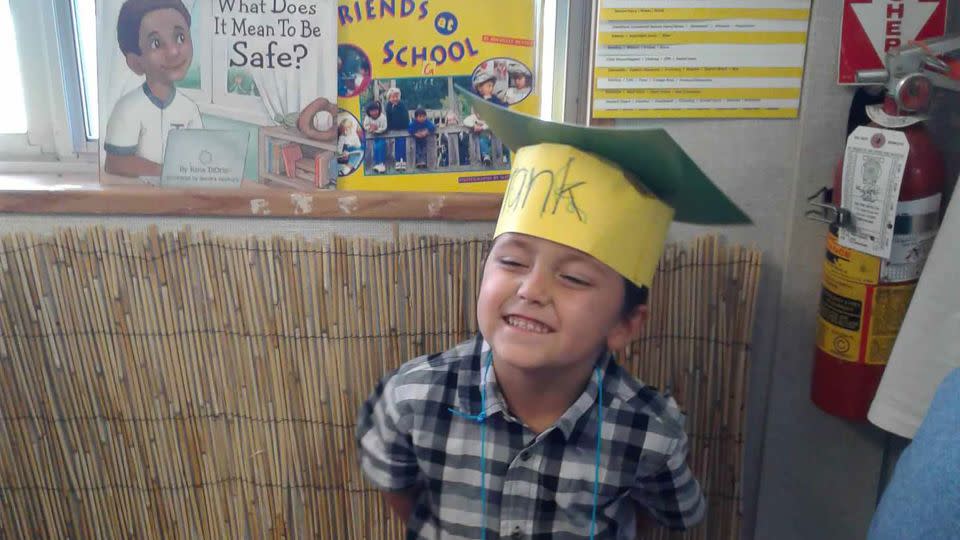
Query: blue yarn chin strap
(481, 418)
(596, 457)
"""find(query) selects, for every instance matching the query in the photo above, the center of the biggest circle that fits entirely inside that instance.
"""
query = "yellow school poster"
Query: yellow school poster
(402, 125)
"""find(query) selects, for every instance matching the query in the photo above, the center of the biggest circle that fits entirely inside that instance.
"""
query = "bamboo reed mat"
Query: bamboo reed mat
(181, 385)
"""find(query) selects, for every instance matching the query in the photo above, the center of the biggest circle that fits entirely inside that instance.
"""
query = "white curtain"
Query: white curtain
(285, 92)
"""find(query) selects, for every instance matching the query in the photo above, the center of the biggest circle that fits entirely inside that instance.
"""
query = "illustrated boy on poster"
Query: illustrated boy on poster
(154, 37)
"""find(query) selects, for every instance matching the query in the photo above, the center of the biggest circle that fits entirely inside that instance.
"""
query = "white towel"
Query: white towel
(928, 346)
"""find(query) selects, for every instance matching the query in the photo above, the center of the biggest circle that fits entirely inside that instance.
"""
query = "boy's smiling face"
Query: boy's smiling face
(165, 47)
(543, 305)
(485, 88)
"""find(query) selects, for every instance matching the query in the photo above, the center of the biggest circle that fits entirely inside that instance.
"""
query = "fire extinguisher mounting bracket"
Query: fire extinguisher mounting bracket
(912, 71)
(826, 212)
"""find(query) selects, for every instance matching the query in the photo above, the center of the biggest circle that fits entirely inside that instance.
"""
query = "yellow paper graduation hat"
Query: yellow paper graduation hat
(611, 193)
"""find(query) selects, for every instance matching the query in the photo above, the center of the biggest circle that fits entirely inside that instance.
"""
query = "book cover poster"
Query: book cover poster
(217, 92)
(402, 125)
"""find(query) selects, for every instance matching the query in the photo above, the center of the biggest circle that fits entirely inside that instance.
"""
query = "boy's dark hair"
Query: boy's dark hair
(419, 111)
(131, 15)
(373, 105)
(633, 297)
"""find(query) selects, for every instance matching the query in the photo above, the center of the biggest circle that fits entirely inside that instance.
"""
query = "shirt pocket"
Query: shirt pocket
(575, 494)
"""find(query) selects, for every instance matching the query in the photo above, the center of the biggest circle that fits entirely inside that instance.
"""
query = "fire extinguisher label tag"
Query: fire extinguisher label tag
(887, 310)
(849, 265)
(846, 276)
(914, 231)
(859, 315)
(873, 167)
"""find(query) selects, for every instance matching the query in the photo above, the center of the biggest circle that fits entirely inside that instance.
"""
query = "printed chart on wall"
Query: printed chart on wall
(402, 123)
(699, 58)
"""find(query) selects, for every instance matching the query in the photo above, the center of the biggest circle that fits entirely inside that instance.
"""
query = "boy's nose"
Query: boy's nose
(535, 287)
(174, 49)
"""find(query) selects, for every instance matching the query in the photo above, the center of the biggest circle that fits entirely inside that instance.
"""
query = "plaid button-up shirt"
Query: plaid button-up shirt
(538, 485)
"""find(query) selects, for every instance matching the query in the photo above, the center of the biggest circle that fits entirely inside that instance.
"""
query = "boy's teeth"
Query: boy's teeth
(527, 325)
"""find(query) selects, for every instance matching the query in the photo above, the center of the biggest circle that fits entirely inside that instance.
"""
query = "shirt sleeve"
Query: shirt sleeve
(122, 136)
(383, 435)
(668, 489)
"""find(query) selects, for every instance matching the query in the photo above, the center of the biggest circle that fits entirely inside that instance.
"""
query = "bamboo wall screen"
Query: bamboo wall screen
(179, 385)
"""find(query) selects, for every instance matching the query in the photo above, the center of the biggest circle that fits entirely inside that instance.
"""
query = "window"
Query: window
(46, 48)
(548, 51)
(85, 42)
(216, 87)
(15, 121)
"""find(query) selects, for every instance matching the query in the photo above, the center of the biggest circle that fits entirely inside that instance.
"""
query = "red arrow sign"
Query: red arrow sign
(869, 28)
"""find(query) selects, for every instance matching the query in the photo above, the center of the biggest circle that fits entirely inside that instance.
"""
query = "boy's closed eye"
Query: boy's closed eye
(510, 262)
(576, 280)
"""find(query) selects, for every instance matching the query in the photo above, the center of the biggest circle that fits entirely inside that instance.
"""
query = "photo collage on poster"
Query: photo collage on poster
(403, 123)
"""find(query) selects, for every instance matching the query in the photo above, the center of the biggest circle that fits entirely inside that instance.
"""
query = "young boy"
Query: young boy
(398, 119)
(483, 84)
(480, 129)
(532, 430)
(154, 37)
(349, 147)
(374, 124)
(421, 129)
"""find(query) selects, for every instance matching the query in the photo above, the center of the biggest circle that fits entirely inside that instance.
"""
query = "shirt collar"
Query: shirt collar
(469, 395)
(157, 101)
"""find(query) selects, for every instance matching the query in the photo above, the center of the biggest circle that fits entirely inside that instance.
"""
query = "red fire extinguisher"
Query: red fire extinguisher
(864, 298)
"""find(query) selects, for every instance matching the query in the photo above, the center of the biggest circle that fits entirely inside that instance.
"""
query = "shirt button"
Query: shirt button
(516, 532)
(524, 455)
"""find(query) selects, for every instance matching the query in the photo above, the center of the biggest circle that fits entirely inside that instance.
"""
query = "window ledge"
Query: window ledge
(82, 194)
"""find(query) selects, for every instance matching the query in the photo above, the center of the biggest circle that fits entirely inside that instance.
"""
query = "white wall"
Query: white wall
(807, 474)
(820, 475)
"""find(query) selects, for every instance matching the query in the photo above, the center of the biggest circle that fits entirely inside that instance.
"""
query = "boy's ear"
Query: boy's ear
(133, 62)
(626, 328)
